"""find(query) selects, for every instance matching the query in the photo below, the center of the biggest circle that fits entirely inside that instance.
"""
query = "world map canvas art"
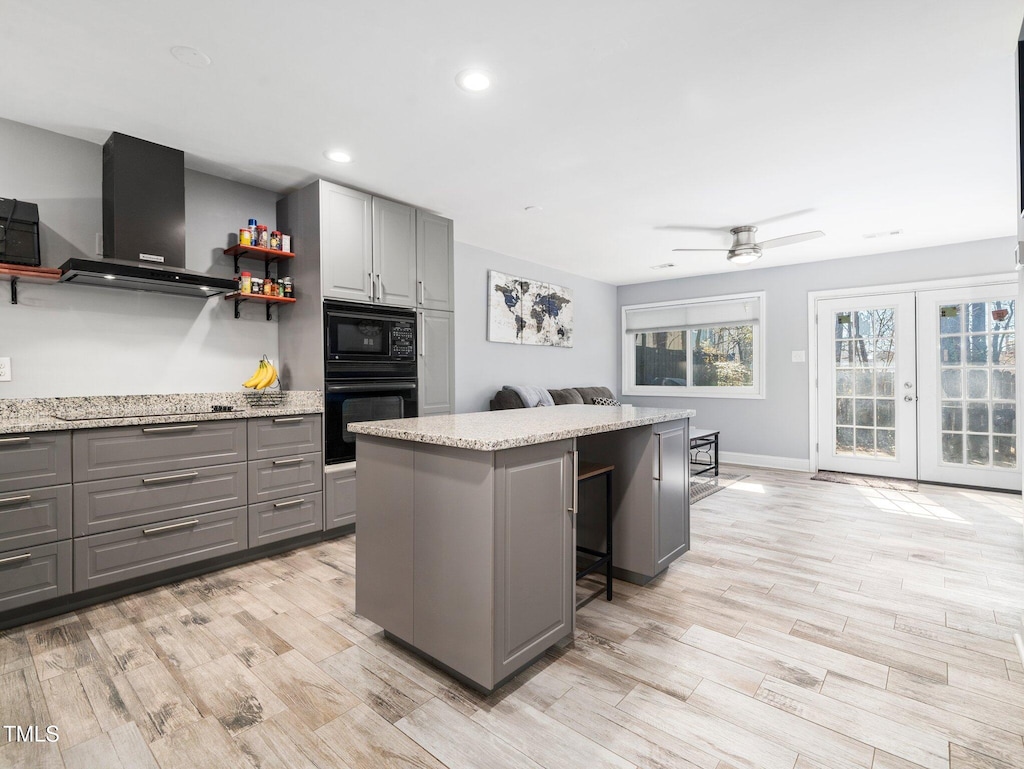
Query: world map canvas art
(523, 311)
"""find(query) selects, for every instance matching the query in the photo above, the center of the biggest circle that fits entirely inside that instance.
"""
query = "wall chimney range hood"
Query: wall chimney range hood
(143, 224)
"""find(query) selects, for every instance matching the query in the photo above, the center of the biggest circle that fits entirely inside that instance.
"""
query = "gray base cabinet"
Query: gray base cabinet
(339, 497)
(33, 574)
(35, 516)
(482, 587)
(285, 519)
(34, 460)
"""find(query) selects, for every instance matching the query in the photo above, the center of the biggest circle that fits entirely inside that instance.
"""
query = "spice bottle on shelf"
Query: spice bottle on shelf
(262, 237)
(257, 285)
(286, 287)
(253, 240)
(275, 240)
(245, 281)
(286, 242)
(244, 237)
(268, 287)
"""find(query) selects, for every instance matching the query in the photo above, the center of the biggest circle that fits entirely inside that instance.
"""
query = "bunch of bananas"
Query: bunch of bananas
(264, 376)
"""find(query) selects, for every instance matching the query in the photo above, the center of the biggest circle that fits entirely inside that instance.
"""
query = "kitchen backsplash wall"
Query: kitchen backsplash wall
(79, 340)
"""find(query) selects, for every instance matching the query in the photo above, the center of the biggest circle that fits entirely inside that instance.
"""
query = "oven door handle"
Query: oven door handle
(383, 387)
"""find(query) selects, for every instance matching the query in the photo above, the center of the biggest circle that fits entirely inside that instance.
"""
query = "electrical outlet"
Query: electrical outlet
(5, 369)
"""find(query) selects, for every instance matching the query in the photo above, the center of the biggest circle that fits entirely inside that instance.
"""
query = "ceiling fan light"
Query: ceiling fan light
(744, 255)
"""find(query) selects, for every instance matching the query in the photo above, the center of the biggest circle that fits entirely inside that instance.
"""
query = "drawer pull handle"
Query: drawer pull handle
(13, 558)
(15, 500)
(295, 461)
(290, 503)
(171, 478)
(171, 429)
(171, 527)
(12, 441)
(288, 419)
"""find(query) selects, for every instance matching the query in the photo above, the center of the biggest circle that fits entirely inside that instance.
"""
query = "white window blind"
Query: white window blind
(683, 315)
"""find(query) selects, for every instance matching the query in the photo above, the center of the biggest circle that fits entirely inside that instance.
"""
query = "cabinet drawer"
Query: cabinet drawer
(142, 499)
(117, 556)
(35, 517)
(33, 574)
(284, 436)
(287, 518)
(339, 498)
(34, 460)
(115, 452)
(285, 477)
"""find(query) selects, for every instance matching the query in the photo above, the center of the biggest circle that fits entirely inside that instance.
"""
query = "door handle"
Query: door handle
(13, 558)
(172, 429)
(294, 461)
(290, 503)
(575, 485)
(15, 500)
(421, 292)
(171, 527)
(11, 441)
(287, 419)
(661, 451)
(423, 335)
(171, 478)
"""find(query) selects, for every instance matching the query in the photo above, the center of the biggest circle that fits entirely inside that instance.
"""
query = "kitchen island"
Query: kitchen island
(466, 550)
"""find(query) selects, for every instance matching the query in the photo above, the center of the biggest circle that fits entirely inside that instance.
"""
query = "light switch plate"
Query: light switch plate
(5, 369)
(799, 356)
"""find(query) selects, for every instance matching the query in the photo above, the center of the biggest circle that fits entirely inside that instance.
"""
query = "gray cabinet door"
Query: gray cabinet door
(286, 518)
(285, 477)
(339, 497)
(435, 262)
(394, 252)
(115, 452)
(118, 503)
(672, 493)
(34, 459)
(118, 556)
(346, 245)
(34, 574)
(35, 516)
(437, 362)
(535, 551)
(284, 435)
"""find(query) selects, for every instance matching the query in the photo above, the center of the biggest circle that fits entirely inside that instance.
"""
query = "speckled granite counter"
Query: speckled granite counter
(30, 415)
(497, 430)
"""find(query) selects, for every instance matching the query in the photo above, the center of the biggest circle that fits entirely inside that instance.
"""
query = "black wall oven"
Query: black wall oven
(370, 366)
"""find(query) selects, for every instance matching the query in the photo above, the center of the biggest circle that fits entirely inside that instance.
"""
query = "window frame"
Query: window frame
(756, 391)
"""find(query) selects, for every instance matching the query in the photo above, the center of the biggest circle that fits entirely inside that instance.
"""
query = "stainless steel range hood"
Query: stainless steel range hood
(143, 224)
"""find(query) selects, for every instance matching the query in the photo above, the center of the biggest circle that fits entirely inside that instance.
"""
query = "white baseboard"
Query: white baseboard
(765, 460)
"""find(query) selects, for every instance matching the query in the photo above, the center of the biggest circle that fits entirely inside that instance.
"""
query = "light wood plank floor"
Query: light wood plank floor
(813, 626)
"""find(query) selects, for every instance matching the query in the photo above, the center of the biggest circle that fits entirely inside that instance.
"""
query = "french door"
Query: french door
(867, 385)
(920, 385)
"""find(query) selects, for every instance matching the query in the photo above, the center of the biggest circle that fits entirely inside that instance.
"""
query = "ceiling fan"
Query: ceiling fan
(745, 248)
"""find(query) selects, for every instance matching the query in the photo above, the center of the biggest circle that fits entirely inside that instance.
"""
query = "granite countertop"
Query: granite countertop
(33, 415)
(497, 430)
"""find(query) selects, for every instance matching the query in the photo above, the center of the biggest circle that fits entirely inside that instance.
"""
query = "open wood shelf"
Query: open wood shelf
(239, 297)
(16, 273)
(260, 254)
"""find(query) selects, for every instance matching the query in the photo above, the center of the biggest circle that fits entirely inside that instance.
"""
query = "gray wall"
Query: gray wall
(777, 426)
(481, 367)
(65, 339)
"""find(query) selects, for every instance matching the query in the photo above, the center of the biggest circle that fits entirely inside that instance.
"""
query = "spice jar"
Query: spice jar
(263, 238)
(245, 281)
(268, 287)
(244, 237)
(275, 240)
(257, 285)
(286, 287)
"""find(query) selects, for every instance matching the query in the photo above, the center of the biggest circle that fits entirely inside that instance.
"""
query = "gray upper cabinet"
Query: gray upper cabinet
(346, 243)
(394, 253)
(437, 363)
(435, 266)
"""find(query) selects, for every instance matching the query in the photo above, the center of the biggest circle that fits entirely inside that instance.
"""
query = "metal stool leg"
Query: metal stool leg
(608, 523)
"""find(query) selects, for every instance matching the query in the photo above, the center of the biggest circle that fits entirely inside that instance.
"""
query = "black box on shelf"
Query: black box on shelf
(19, 232)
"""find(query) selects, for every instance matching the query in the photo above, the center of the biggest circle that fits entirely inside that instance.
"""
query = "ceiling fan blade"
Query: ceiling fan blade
(789, 240)
(724, 231)
(718, 250)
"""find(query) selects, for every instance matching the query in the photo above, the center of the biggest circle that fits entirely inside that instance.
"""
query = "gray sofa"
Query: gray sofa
(509, 399)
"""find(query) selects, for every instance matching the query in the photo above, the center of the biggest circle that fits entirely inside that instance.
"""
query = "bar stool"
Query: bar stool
(585, 472)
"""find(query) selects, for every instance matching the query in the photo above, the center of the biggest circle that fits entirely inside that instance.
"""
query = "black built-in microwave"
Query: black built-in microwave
(364, 341)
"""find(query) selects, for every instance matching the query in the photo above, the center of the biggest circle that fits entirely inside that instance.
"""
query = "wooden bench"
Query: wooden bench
(703, 444)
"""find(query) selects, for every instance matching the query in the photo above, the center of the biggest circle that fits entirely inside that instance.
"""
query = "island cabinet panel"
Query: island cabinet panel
(34, 460)
(534, 552)
(453, 576)
(115, 452)
(384, 547)
(672, 492)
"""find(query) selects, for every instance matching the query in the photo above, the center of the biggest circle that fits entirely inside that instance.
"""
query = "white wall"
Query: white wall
(65, 339)
(481, 367)
(778, 425)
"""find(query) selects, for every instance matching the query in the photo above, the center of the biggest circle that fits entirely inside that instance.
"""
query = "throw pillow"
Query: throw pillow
(606, 402)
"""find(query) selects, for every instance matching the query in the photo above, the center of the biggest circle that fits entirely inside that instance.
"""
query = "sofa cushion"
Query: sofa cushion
(601, 401)
(563, 397)
(589, 393)
(506, 399)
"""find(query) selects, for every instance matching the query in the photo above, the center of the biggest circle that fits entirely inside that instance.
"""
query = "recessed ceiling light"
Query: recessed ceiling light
(473, 80)
(190, 56)
(533, 209)
(883, 234)
(338, 156)
(664, 266)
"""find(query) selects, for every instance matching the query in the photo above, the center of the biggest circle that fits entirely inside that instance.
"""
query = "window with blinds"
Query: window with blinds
(694, 347)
